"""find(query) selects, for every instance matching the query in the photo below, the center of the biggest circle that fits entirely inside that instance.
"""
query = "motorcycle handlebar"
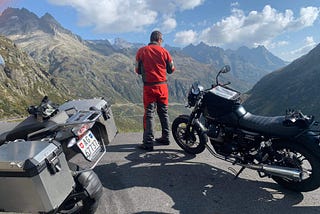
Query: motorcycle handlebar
(219, 84)
(228, 83)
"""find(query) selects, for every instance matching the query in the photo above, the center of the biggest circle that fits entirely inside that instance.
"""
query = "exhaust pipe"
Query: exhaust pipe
(284, 172)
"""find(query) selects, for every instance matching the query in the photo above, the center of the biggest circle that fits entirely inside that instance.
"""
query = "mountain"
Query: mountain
(23, 22)
(123, 44)
(248, 65)
(103, 47)
(23, 82)
(261, 57)
(292, 87)
(74, 64)
(206, 54)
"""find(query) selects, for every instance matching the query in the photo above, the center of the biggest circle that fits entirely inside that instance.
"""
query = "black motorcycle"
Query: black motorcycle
(51, 135)
(284, 148)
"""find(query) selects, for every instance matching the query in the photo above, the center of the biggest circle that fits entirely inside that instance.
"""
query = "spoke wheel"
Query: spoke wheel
(194, 141)
(295, 156)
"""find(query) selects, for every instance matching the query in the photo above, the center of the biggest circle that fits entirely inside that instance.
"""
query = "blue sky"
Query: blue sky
(288, 28)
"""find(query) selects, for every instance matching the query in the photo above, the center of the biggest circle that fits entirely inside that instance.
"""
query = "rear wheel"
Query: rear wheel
(89, 183)
(86, 195)
(192, 143)
(296, 156)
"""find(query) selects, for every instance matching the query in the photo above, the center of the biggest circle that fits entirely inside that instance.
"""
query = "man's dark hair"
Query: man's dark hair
(155, 36)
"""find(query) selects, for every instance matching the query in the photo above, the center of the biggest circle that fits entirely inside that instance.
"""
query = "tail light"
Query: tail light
(81, 129)
(72, 142)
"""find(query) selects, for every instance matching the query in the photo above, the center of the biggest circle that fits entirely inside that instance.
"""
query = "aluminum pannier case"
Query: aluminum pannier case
(98, 104)
(34, 176)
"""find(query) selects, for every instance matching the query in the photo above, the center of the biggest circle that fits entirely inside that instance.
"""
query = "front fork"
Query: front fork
(193, 122)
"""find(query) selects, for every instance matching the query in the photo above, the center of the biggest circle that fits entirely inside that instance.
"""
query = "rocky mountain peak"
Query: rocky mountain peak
(49, 18)
(14, 13)
(15, 21)
(49, 24)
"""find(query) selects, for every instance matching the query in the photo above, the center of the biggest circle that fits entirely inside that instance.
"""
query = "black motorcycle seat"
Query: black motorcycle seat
(22, 130)
(273, 126)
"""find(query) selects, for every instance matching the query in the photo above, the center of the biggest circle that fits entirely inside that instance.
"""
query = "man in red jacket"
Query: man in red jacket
(153, 62)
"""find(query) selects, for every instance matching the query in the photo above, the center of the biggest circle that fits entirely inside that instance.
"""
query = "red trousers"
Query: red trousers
(155, 94)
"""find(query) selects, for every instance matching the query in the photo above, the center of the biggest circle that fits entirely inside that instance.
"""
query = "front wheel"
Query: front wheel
(192, 142)
(293, 155)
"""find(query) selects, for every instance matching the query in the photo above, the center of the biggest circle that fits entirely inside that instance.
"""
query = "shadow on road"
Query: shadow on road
(196, 187)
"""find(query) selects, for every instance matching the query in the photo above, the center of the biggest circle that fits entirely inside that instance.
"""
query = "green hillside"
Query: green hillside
(296, 87)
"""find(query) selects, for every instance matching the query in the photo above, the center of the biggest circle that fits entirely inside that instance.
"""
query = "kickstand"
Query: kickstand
(237, 173)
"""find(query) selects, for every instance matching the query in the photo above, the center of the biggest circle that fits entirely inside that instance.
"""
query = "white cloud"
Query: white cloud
(168, 25)
(186, 37)
(257, 27)
(188, 4)
(308, 15)
(276, 44)
(112, 15)
(118, 16)
(309, 44)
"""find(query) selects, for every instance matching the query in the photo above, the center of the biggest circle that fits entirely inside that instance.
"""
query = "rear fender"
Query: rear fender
(311, 142)
(184, 116)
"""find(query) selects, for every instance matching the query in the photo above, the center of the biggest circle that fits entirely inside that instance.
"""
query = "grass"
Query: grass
(129, 117)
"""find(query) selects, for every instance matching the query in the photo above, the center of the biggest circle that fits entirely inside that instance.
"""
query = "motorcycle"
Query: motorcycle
(284, 148)
(60, 132)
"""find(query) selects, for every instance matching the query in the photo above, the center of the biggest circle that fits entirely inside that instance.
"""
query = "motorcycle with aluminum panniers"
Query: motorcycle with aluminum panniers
(40, 171)
(284, 148)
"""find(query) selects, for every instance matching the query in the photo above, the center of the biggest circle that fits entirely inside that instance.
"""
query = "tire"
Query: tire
(195, 143)
(290, 154)
(88, 184)
(89, 206)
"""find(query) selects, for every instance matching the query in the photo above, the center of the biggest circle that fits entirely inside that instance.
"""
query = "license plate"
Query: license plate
(89, 146)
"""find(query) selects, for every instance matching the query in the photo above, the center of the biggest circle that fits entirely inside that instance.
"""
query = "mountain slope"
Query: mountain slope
(295, 86)
(73, 64)
(22, 81)
(248, 65)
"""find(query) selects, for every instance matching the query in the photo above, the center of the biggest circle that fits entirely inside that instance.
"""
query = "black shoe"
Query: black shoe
(162, 141)
(145, 147)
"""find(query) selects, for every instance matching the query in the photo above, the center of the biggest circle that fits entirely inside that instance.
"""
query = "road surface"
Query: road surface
(169, 181)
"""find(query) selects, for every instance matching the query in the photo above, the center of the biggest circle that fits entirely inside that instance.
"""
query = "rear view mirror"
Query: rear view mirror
(225, 69)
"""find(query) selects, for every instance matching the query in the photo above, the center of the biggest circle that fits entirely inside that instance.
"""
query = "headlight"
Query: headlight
(192, 98)
(193, 94)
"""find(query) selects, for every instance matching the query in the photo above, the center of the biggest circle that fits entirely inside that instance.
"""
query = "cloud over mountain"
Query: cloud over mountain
(128, 15)
(252, 29)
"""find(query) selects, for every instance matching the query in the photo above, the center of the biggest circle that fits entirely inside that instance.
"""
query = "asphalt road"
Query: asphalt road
(167, 180)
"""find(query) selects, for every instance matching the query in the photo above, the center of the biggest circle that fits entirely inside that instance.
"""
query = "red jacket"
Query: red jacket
(153, 62)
